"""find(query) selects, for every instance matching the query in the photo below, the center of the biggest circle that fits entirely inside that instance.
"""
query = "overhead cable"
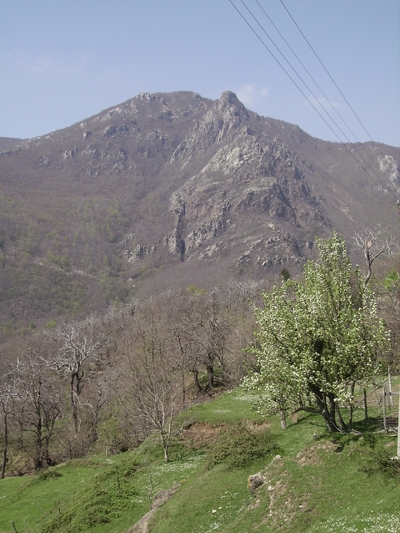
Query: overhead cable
(333, 81)
(303, 93)
(315, 81)
(362, 147)
(321, 105)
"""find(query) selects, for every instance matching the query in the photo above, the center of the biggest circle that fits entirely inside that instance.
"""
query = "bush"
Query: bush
(238, 446)
(108, 496)
(50, 473)
(382, 461)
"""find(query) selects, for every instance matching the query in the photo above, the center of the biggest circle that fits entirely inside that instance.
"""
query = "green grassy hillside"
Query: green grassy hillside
(312, 482)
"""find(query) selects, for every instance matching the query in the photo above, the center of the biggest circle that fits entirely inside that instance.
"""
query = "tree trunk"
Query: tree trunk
(390, 388)
(384, 409)
(37, 463)
(282, 417)
(327, 411)
(38, 459)
(330, 423)
(210, 374)
(365, 405)
(165, 444)
(196, 381)
(342, 425)
(4, 461)
(352, 388)
(331, 413)
(74, 395)
(74, 412)
(166, 456)
(46, 454)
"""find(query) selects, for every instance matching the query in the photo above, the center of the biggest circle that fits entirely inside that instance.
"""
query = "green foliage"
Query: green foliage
(318, 485)
(51, 324)
(238, 446)
(195, 290)
(110, 493)
(392, 281)
(378, 459)
(228, 408)
(285, 275)
(50, 473)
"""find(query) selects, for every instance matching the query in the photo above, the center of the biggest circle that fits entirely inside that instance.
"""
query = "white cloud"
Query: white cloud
(251, 95)
(41, 64)
(59, 66)
(50, 63)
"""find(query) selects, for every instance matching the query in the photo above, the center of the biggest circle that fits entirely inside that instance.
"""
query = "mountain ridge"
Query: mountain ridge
(168, 189)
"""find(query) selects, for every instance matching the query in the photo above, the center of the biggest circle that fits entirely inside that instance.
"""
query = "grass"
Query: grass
(26, 500)
(206, 502)
(227, 408)
(319, 483)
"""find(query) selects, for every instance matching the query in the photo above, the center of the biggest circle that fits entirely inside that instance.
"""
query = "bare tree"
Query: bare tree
(202, 334)
(150, 383)
(8, 401)
(374, 244)
(210, 330)
(39, 405)
(76, 353)
(100, 391)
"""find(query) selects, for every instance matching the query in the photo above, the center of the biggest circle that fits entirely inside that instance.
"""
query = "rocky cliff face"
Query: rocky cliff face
(170, 189)
(249, 184)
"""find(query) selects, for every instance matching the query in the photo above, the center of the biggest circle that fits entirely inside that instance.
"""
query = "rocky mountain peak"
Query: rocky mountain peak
(229, 104)
(222, 122)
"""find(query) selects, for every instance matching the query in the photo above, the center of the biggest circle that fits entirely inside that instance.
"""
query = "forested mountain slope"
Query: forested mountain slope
(168, 190)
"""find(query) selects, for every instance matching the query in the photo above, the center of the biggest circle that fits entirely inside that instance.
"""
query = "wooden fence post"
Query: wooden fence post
(384, 409)
(365, 405)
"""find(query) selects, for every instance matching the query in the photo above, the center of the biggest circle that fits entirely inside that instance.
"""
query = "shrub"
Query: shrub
(108, 496)
(382, 461)
(238, 446)
(50, 473)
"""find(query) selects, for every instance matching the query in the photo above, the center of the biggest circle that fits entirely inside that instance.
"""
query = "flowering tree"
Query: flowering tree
(317, 338)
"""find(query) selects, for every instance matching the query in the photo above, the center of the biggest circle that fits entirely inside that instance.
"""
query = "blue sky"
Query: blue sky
(64, 60)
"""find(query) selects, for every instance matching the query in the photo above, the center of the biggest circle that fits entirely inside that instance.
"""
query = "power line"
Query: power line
(316, 83)
(305, 68)
(333, 81)
(302, 92)
(362, 147)
(311, 92)
(335, 84)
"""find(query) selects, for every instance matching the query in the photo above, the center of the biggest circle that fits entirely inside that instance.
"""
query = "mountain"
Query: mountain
(7, 142)
(173, 189)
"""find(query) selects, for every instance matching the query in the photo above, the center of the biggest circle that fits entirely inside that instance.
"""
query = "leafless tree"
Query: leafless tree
(389, 292)
(39, 405)
(76, 352)
(374, 244)
(99, 393)
(8, 402)
(210, 330)
(203, 333)
(151, 383)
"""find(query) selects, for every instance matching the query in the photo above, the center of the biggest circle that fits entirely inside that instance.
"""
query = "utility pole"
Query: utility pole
(398, 432)
(398, 416)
